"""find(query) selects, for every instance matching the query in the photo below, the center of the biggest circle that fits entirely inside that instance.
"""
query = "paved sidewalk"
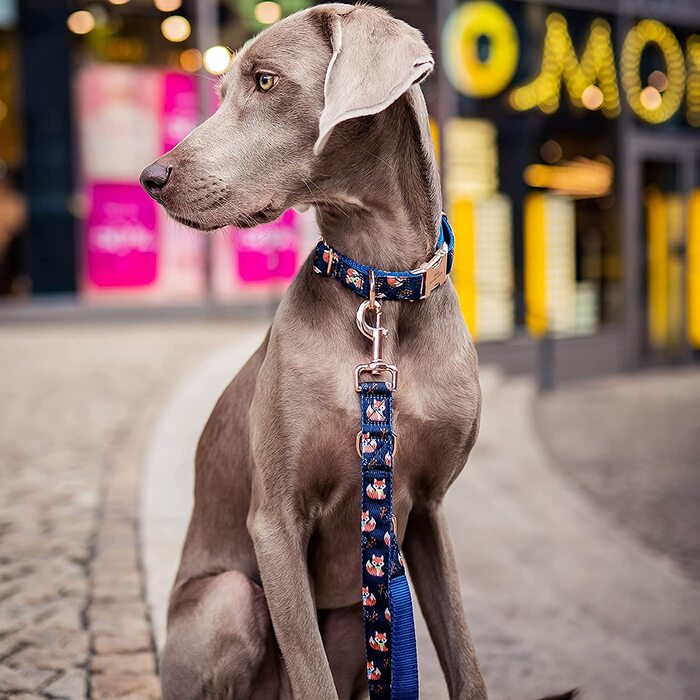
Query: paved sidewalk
(76, 406)
(559, 594)
(650, 484)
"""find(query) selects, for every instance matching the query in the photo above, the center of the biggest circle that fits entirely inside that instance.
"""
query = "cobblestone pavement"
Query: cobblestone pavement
(632, 443)
(558, 594)
(76, 405)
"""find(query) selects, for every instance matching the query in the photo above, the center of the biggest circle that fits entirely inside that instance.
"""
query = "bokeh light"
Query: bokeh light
(551, 151)
(216, 59)
(592, 97)
(191, 60)
(657, 79)
(81, 22)
(268, 12)
(167, 5)
(175, 28)
(650, 98)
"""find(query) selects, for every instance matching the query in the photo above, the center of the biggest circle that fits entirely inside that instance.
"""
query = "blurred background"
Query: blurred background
(568, 135)
(569, 147)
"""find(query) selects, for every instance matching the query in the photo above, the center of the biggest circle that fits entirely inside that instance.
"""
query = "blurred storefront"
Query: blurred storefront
(569, 138)
(103, 88)
(12, 198)
(571, 149)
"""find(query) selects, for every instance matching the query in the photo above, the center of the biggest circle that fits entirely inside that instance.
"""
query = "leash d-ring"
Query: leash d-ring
(372, 290)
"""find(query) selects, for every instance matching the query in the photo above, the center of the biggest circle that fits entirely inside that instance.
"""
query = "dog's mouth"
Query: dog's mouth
(190, 222)
(262, 216)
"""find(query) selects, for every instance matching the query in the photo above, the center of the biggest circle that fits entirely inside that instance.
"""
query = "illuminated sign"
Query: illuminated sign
(692, 98)
(464, 29)
(649, 103)
(590, 81)
(579, 178)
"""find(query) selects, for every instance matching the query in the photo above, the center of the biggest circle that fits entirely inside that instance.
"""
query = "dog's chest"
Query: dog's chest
(436, 409)
(430, 450)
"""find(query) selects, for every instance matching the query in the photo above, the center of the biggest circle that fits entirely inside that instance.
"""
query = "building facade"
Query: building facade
(571, 162)
(568, 136)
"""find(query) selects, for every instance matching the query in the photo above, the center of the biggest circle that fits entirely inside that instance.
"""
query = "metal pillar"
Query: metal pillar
(46, 66)
(630, 196)
(447, 98)
(207, 34)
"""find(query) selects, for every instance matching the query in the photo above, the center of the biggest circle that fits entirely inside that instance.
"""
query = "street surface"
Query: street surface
(574, 521)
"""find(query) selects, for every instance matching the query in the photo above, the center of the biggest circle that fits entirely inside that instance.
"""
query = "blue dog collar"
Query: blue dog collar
(408, 286)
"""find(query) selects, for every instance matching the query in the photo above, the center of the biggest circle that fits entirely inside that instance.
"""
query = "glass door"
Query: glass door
(671, 257)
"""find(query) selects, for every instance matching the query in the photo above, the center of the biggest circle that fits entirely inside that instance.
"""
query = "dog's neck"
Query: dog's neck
(377, 192)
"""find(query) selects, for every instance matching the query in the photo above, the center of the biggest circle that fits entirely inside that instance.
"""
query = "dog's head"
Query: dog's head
(284, 102)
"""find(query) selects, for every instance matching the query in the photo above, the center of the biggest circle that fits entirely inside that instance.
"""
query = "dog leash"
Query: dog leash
(390, 637)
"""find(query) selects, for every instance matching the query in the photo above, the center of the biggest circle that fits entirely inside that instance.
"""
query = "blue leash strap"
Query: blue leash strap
(404, 657)
(390, 640)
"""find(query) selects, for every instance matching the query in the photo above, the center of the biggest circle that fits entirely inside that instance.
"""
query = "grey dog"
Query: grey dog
(322, 109)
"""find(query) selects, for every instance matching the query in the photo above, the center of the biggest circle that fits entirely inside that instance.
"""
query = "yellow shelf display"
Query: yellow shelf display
(551, 292)
(664, 225)
(693, 295)
(482, 219)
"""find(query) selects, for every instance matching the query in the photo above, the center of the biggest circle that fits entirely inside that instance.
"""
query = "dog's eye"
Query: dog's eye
(266, 81)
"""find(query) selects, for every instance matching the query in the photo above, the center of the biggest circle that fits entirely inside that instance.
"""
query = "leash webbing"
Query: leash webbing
(392, 663)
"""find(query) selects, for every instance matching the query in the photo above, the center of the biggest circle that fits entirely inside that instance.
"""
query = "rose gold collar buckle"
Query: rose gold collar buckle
(434, 271)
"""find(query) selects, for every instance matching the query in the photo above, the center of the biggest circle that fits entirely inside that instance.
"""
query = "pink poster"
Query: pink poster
(258, 264)
(121, 237)
(267, 252)
(129, 116)
(179, 114)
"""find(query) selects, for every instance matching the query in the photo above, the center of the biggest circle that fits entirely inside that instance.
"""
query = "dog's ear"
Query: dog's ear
(375, 59)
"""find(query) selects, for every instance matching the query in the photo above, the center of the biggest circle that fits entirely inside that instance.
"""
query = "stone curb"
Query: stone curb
(122, 661)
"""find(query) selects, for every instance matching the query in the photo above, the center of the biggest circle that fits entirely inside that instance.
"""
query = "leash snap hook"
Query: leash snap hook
(369, 331)
(376, 333)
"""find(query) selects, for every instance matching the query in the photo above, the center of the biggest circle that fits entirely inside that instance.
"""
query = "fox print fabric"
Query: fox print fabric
(399, 285)
(380, 556)
(406, 285)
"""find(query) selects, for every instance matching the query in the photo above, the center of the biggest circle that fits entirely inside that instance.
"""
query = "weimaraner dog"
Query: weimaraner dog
(322, 109)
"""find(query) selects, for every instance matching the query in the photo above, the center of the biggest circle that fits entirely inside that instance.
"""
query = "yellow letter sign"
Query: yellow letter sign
(560, 64)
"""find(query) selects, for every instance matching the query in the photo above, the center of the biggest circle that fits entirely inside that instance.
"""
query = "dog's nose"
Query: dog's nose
(154, 178)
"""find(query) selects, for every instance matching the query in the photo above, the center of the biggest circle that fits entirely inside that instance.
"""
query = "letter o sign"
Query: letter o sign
(650, 31)
(471, 74)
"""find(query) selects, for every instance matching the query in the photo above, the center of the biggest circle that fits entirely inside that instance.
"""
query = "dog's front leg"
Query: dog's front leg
(280, 547)
(430, 556)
